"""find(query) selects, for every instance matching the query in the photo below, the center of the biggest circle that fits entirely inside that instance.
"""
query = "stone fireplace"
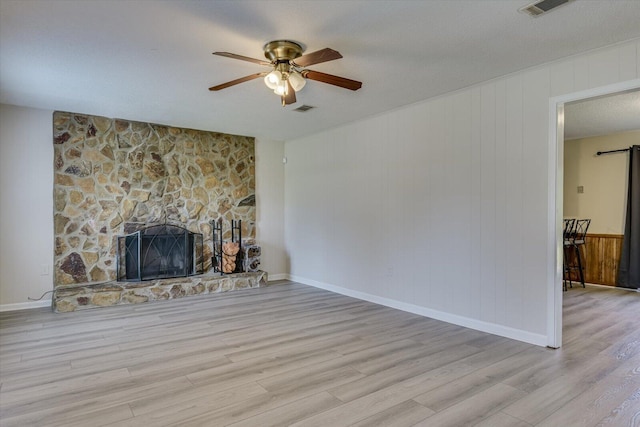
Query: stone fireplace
(116, 177)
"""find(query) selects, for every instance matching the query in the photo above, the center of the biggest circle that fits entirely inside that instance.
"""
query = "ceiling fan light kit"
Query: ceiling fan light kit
(272, 79)
(297, 81)
(288, 74)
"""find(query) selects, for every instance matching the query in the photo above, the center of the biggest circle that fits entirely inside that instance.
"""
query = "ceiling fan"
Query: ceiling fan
(288, 74)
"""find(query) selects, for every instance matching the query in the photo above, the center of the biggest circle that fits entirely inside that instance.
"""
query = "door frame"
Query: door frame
(555, 199)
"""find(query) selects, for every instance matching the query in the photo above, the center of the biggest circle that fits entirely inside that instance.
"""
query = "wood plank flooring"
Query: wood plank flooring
(289, 354)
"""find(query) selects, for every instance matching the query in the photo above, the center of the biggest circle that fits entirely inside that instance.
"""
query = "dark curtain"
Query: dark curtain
(629, 270)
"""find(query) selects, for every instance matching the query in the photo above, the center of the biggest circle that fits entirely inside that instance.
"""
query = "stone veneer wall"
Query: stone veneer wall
(113, 177)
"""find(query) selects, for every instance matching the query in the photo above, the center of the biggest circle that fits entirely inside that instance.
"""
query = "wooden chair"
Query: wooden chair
(567, 232)
(577, 239)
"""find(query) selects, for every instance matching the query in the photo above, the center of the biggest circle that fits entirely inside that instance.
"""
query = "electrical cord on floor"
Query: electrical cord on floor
(41, 296)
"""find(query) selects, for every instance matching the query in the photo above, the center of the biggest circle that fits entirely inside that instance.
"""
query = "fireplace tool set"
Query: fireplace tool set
(227, 256)
(232, 256)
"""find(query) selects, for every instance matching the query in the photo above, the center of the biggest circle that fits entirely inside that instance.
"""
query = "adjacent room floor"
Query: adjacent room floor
(290, 354)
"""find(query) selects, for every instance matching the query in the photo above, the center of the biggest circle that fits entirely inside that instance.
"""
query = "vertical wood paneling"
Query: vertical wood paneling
(399, 211)
(562, 78)
(580, 73)
(514, 226)
(336, 216)
(422, 205)
(602, 258)
(431, 205)
(450, 192)
(461, 184)
(461, 192)
(437, 176)
(487, 203)
(376, 213)
(500, 201)
(475, 290)
(604, 67)
(612, 65)
(534, 172)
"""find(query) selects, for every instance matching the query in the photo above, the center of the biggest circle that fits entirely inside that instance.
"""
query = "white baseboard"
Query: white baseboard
(479, 325)
(25, 305)
(274, 277)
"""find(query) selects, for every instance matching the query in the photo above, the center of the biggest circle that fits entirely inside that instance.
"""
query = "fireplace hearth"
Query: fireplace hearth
(159, 252)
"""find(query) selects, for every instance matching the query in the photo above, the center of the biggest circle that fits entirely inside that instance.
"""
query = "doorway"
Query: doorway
(556, 199)
(598, 134)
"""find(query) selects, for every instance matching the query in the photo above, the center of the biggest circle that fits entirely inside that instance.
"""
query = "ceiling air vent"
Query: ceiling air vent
(304, 108)
(544, 6)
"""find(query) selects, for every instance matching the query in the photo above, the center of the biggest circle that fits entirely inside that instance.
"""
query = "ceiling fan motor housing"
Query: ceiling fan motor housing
(282, 50)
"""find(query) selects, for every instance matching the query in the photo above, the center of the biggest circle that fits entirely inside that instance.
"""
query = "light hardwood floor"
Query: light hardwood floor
(289, 354)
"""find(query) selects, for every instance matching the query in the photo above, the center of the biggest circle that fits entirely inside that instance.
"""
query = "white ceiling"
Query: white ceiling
(602, 116)
(151, 60)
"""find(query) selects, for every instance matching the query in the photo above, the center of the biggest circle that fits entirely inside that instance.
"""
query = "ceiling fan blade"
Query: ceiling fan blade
(237, 81)
(290, 97)
(332, 80)
(322, 55)
(243, 58)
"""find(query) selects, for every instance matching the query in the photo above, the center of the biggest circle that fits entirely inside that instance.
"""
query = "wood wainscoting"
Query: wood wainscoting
(600, 257)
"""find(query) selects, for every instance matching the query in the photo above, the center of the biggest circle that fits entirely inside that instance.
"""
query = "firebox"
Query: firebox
(159, 252)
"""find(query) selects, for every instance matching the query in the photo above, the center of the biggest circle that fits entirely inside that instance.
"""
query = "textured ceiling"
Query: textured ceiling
(151, 60)
(603, 116)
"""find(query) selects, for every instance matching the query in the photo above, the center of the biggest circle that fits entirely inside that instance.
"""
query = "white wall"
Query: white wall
(441, 208)
(270, 207)
(26, 205)
(603, 178)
